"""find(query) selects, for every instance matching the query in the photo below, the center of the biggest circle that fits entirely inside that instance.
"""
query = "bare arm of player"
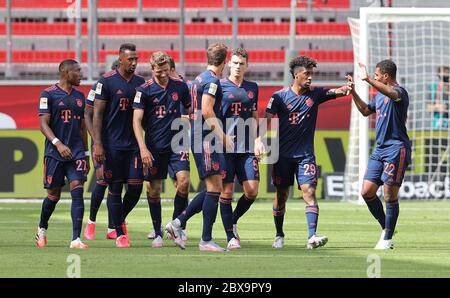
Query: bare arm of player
(383, 88)
(259, 146)
(99, 110)
(360, 104)
(213, 122)
(146, 155)
(63, 150)
(84, 139)
(341, 91)
(88, 116)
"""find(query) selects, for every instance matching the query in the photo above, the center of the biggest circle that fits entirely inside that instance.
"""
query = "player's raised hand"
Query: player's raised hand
(147, 158)
(362, 72)
(99, 153)
(350, 84)
(64, 151)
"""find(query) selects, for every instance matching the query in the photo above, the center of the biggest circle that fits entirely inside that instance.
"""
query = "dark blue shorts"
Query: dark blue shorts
(123, 166)
(389, 170)
(167, 162)
(304, 169)
(243, 165)
(209, 163)
(56, 171)
(178, 162)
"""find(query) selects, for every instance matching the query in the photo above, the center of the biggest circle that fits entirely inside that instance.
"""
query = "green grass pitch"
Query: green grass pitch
(422, 244)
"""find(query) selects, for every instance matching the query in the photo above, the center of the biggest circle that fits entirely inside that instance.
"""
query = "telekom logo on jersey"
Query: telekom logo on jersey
(66, 116)
(123, 103)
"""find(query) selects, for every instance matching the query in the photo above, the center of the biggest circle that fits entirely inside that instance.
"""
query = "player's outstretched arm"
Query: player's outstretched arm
(363, 108)
(64, 151)
(387, 90)
(342, 91)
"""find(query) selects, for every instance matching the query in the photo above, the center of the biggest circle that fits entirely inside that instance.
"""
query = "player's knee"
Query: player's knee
(251, 192)
(183, 186)
(367, 194)
(226, 193)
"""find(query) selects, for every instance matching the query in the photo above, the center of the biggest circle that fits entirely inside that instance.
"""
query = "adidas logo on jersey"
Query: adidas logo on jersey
(61, 103)
(119, 92)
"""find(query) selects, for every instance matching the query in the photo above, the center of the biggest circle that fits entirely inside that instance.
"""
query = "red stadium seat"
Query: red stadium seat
(192, 56)
(61, 4)
(167, 28)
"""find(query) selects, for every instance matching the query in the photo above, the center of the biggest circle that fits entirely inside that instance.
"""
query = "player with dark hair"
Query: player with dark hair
(179, 169)
(100, 185)
(240, 104)
(297, 108)
(61, 112)
(115, 145)
(157, 104)
(206, 104)
(392, 153)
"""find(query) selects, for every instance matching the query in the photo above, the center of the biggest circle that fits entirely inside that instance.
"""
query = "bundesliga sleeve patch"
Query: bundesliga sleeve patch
(43, 103)
(91, 95)
(137, 97)
(98, 90)
(212, 89)
(269, 105)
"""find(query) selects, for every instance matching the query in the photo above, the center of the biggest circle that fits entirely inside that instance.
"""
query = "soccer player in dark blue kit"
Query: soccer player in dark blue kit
(207, 142)
(240, 104)
(61, 112)
(179, 169)
(392, 153)
(157, 104)
(100, 184)
(115, 145)
(297, 108)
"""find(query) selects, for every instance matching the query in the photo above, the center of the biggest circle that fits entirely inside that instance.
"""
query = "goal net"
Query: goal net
(418, 41)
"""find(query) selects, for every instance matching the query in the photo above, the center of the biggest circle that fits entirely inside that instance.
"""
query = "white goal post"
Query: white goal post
(418, 41)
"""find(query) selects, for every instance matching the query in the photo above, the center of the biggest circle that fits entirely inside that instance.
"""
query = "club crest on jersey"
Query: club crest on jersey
(250, 94)
(215, 166)
(174, 96)
(386, 100)
(79, 102)
(309, 102)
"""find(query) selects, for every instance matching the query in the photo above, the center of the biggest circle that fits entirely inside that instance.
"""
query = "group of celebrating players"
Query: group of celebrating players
(121, 105)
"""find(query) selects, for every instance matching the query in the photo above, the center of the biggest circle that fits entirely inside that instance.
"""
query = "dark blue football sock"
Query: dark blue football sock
(376, 208)
(392, 211)
(77, 211)
(96, 198)
(209, 214)
(48, 206)
(242, 206)
(154, 204)
(278, 217)
(312, 216)
(194, 207)
(226, 212)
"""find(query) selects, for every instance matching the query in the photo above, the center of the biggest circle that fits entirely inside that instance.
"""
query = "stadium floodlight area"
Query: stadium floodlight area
(418, 41)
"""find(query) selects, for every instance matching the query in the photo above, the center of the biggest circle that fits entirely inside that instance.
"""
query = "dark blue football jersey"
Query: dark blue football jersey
(391, 119)
(238, 104)
(205, 83)
(66, 114)
(117, 128)
(297, 119)
(161, 107)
